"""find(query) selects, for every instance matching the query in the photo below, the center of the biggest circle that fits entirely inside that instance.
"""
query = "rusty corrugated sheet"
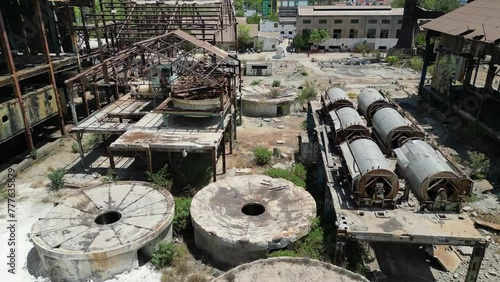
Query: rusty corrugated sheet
(478, 20)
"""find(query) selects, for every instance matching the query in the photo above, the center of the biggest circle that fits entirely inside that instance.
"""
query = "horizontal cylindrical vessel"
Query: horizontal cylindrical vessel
(347, 123)
(392, 129)
(431, 176)
(372, 178)
(369, 101)
(335, 98)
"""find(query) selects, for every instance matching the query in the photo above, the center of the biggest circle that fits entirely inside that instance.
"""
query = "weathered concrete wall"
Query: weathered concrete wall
(253, 108)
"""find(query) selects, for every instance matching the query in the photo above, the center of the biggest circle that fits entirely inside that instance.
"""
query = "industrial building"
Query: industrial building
(466, 80)
(287, 13)
(39, 48)
(377, 26)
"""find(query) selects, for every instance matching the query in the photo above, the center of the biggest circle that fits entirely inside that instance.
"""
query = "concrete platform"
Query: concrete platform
(98, 232)
(239, 219)
(287, 269)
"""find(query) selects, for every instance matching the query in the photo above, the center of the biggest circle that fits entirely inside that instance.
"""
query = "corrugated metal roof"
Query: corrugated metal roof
(478, 20)
(349, 11)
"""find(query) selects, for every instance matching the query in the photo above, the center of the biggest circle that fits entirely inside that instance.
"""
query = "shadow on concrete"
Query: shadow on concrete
(34, 264)
(404, 262)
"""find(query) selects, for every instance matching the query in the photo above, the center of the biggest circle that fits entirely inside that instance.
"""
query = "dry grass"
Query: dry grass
(38, 184)
(50, 168)
(167, 275)
(181, 267)
(197, 277)
(55, 197)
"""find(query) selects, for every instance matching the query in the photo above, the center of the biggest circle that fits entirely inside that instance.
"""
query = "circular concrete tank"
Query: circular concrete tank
(98, 232)
(239, 219)
(288, 269)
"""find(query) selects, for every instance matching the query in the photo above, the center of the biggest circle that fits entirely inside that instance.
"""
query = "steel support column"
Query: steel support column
(17, 89)
(149, 160)
(224, 154)
(111, 158)
(427, 58)
(48, 60)
(475, 262)
(79, 138)
(214, 163)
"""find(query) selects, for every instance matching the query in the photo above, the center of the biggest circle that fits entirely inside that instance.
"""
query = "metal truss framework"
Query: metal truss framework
(201, 70)
(125, 22)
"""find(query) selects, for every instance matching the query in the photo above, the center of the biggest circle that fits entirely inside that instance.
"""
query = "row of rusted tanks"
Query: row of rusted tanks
(375, 134)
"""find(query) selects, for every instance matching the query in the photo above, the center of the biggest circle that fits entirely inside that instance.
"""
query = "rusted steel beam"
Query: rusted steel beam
(17, 89)
(48, 60)
(224, 153)
(214, 163)
(73, 35)
(111, 158)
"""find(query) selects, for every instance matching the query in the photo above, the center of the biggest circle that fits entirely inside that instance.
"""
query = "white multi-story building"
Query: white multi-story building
(377, 26)
(287, 13)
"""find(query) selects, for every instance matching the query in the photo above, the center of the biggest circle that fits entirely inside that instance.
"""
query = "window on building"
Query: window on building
(282, 32)
(400, 21)
(386, 21)
(353, 33)
(382, 47)
(322, 21)
(354, 21)
(275, 25)
(290, 32)
(398, 32)
(306, 21)
(337, 33)
(273, 46)
(337, 21)
(371, 33)
(384, 33)
(372, 21)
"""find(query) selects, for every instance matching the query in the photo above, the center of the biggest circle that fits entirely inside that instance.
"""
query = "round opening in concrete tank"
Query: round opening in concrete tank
(288, 269)
(240, 219)
(98, 232)
(108, 217)
(253, 209)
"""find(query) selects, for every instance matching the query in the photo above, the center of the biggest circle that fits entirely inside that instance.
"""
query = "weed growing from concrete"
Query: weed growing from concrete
(479, 164)
(276, 83)
(165, 253)
(56, 178)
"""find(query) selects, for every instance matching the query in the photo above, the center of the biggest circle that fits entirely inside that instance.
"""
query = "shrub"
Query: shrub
(276, 83)
(195, 171)
(308, 92)
(362, 48)
(56, 178)
(182, 215)
(34, 154)
(110, 176)
(313, 245)
(283, 253)
(304, 73)
(256, 82)
(296, 174)
(262, 155)
(274, 93)
(416, 63)
(165, 253)
(392, 60)
(160, 179)
(479, 164)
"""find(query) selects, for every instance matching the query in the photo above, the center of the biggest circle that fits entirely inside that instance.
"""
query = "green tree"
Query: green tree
(255, 19)
(398, 3)
(243, 35)
(317, 36)
(440, 5)
(300, 41)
